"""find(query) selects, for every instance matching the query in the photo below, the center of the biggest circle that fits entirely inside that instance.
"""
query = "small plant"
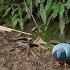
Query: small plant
(15, 11)
(55, 13)
(52, 15)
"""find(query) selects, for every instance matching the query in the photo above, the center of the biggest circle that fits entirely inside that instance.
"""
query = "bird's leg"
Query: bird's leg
(65, 66)
(57, 64)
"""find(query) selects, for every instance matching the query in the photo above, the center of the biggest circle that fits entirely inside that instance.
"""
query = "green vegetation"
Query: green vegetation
(49, 16)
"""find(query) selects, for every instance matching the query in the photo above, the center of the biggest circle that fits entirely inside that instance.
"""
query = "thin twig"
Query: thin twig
(32, 17)
(21, 32)
(2, 28)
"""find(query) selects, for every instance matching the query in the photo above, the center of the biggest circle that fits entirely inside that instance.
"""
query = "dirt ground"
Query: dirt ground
(17, 54)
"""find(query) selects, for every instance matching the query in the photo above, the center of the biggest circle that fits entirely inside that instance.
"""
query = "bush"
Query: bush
(53, 15)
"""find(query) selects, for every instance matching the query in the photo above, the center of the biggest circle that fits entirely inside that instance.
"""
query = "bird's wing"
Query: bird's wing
(65, 46)
(58, 46)
(67, 49)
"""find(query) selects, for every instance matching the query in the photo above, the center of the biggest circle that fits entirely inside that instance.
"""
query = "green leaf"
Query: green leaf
(14, 23)
(5, 7)
(13, 11)
(62, 26)
(50, 17)
(21, 23)
(68, 4)
(43, 13)
(29, 2)
(48, 5)
(61, 11)
(20, 12)
(55, 9)
(37, 2)
(49, 1)
(7, 11)
(62, 20)
(34, 29)
(14, 17)
(46, 28)
(28, 15)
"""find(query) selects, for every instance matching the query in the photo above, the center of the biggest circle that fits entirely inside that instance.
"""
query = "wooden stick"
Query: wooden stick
(21, 32)
(2, 28)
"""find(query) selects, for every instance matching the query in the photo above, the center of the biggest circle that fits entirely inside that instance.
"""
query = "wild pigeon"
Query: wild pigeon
(61, 54)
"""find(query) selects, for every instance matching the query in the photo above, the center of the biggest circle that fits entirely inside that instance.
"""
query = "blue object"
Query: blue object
(61, 51)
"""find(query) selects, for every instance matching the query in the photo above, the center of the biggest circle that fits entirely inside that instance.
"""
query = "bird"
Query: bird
(61, 54)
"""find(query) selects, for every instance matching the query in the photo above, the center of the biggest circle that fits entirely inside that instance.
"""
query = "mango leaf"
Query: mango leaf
(43, 13)
(46, 28)
(14, 23)
(62, 20)
(48, 5)
(68, 1)
(13, 11)
(14, 17)
(67, 19)
(21, 23)
(55, 9)
(61, 11)
(49, 18)
(37, 2)
(34, 29)
(42, 1)
(68, 4)
(49, 1)
(28, 15)
(29, 3)
(5, 7)
(6, 12)
(20, 12)
(62, 26)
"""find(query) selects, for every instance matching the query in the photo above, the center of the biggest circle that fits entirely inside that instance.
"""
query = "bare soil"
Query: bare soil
(16, 54)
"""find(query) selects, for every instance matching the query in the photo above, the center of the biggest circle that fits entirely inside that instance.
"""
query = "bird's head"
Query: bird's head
(59, 54)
